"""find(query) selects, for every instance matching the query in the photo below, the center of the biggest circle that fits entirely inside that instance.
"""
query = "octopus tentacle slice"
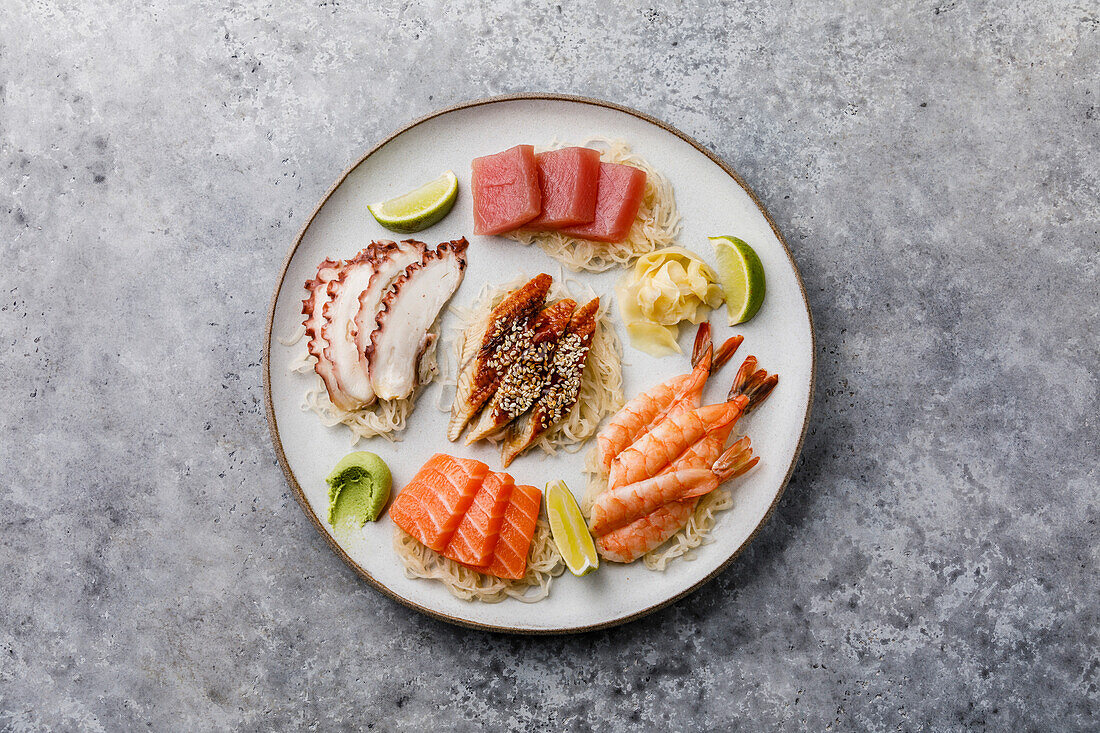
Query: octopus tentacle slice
(626, 504)
(560, 387)
(665, 442)
(313, 309)
(362, 282)
(390, 263)
(405, 317)
(490, 349)
(520, 386)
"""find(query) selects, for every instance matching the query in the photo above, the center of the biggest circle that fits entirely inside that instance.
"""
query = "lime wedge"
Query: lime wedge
(420, 208)
(741, 275)
(569, 530)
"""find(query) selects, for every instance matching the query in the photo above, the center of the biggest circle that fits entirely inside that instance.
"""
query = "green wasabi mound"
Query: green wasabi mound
(358, 489)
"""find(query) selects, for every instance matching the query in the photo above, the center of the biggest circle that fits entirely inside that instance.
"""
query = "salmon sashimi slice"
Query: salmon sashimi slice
(505, 188)
(618, 198)
(510, 554)
(477, 534)
(432, 505)
(568, 180)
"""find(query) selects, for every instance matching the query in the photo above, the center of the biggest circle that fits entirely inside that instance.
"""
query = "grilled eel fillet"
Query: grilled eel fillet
(521, 384)
(560, 387)
(491, 346)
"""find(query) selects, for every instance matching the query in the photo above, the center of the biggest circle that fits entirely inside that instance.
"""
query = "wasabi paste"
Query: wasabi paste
(358, 489)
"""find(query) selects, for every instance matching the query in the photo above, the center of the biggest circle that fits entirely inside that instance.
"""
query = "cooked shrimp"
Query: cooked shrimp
(651, 531)
(636, 416)
(753, 383)
(671, 437)
(682, 392)
(628, 543)
(725, 352)
(619, 507)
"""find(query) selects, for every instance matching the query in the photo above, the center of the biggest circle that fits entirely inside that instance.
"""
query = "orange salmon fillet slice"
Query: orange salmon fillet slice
(510, 554)
(431, 506)
(477, 534)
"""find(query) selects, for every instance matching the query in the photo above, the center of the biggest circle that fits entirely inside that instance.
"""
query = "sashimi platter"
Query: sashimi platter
(538, 364)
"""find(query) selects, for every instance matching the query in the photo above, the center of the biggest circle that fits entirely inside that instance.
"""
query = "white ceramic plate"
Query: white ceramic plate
(711, 199)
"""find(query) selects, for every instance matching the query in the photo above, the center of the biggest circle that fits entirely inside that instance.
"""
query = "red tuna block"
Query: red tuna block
(619, 195)
(506, 190)
(568, 179)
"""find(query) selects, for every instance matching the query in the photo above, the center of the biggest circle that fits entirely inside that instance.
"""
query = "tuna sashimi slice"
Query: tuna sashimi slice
(618, 198)
(505, 188)
(432, 505)
(510, 554)
(568, 181)
(477, 534)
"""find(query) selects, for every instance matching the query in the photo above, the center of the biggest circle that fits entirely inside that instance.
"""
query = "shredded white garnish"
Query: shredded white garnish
(544, 563)
(384, 418)
(294, 337)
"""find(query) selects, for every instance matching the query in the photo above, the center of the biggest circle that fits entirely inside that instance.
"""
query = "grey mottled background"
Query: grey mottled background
(933, 564)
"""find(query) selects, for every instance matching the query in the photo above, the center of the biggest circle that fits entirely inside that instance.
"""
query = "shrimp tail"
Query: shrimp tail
(725, 352)
(703, 343)
(736, 460)
(755, 384)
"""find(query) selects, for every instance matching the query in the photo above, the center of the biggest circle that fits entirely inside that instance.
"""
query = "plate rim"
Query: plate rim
(299, 494)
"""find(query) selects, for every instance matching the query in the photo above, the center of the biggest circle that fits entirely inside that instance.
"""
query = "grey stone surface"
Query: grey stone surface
(933, 564)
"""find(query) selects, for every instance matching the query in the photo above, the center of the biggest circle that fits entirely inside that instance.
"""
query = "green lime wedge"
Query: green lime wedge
(569, 531)
(741, 275)
(420, 208)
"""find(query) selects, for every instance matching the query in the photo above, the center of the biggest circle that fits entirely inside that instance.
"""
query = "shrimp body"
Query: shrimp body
(646, 410)
(651, 531)
(628, 541)
(621, 506)
(635, 416)
(701, 454)
(670, 438)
